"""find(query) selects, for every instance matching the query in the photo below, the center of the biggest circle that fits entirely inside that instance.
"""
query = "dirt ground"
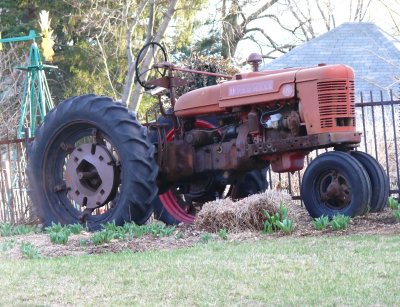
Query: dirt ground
(373, 223)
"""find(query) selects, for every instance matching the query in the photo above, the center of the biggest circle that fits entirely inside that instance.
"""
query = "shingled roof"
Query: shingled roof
(372, 53)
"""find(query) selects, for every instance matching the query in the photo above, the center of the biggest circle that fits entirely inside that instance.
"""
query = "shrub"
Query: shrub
(340, 222)
(321, 223)
(29, 251)
(396, 214)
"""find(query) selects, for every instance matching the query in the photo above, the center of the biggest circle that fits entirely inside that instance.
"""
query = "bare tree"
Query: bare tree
(393, 10)
(236, 24)
(310, 15)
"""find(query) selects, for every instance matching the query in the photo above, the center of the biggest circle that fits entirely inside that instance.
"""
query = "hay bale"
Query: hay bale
(245, 214)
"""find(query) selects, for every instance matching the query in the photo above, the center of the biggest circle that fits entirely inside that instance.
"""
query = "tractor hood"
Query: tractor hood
(253, 88)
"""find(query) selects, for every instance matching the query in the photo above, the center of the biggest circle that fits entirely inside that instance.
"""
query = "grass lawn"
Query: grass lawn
(347, 270)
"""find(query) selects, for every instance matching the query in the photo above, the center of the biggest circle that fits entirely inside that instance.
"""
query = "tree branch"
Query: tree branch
(256, 13)
(106, 66)
(271, 41)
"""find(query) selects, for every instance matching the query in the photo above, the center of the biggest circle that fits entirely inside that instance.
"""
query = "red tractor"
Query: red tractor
(93, 162)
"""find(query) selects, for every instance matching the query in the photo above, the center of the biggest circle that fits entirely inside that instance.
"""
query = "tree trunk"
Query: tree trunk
(134, 102)
(127, 91)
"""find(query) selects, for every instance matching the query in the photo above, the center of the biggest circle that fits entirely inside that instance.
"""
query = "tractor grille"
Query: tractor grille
(336, 103)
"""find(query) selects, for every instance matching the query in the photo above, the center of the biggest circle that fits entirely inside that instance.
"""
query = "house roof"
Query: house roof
(372, 53)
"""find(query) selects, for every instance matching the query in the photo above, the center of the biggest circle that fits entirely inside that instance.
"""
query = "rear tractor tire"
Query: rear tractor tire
(91, 163)
(336, 183)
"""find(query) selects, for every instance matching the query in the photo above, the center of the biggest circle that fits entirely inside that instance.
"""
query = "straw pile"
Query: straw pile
(245, 214)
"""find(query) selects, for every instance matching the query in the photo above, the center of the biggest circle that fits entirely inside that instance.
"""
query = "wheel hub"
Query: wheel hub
(335, 190)
(90, 175)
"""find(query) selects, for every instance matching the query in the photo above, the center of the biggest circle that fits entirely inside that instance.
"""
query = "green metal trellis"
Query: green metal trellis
(36, 98)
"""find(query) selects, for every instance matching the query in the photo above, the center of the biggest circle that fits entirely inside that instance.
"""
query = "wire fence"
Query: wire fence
(377, 119)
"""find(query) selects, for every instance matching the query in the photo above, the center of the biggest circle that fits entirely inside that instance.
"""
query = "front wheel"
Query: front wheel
(378, 178)
(336, 183)
(91, 162)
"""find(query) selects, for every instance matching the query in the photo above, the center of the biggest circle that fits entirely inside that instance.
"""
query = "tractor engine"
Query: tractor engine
(260, 118)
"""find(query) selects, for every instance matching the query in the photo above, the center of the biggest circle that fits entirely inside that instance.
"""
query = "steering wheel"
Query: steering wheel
(150, 54)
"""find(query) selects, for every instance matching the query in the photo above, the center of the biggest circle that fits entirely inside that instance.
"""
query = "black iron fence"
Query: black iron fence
(378, 120)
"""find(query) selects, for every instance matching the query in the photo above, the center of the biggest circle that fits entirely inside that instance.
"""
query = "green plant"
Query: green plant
(132, 230)
(393, 203)
(396, 214)
(110, 231)
(54, 228)
(114, 231)
(110, 226)
(60, 237)
(340, 221)
(25, 229)
(286, 226)
(76, 228)
(6, 229)
(205, 237)
(103, 236)
(223, 234)
(321, 223)
(29, 251)
(271, 222)
(179, 235)
(158, 229)
(58, 234)
(7, 245)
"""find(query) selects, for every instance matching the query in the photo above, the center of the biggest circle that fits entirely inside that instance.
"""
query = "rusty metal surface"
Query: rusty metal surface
(90, 175)
(301, 143)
